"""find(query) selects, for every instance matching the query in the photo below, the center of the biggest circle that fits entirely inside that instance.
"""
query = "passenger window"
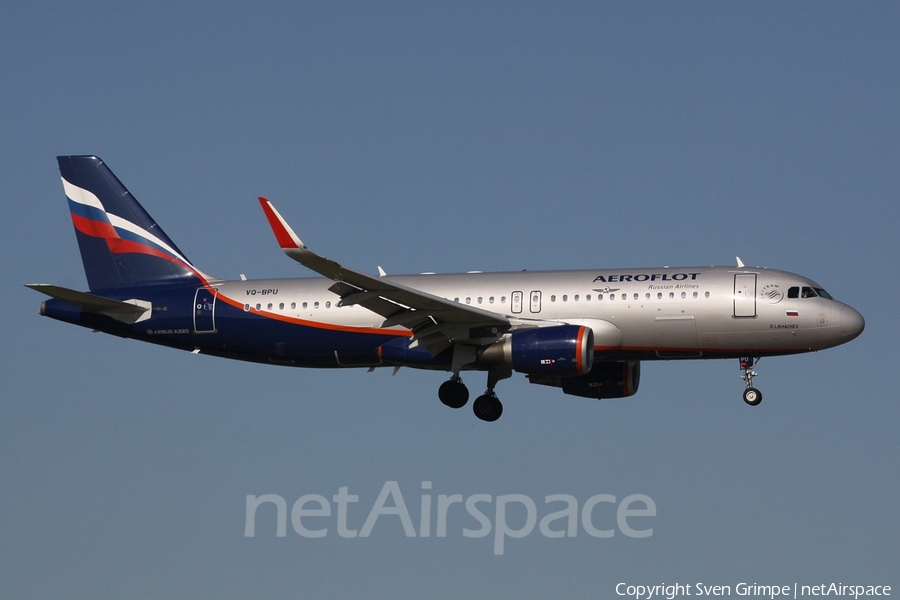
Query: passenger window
(706, 294)
(587, 298)
(671, 295)
(612, 296)
(293, 305)
(576, 298)
(552, 297)
(695, 294)
(794, 292)
(659, 295)
(315, 305)
(328, 305)
(269, 306)
(246, 307)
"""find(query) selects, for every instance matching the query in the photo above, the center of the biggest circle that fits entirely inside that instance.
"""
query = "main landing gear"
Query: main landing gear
(454, 392)
(487, 407)
(752, 396)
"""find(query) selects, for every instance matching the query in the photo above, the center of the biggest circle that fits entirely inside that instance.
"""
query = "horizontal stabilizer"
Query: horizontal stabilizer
(127, 311)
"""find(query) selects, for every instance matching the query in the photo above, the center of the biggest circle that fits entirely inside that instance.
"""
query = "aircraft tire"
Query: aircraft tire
(752, 396)
(453, 394)
(487, 408)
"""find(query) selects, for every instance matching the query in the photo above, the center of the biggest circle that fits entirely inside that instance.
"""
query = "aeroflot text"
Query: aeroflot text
(560, 519)
(646, 277)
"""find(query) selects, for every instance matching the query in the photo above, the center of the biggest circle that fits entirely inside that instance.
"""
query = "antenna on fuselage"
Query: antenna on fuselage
(740, 263)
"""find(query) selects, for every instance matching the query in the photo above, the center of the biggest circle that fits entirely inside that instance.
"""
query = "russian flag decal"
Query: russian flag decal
(792, 313)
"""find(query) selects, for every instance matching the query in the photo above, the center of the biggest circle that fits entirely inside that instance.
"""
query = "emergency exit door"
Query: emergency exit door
(535, 305)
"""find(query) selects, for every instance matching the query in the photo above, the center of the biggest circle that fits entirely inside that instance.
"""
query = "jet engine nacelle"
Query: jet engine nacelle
(558, 351)
(605, 380)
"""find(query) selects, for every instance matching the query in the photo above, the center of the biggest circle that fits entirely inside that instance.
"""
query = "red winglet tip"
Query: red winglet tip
(279, 228)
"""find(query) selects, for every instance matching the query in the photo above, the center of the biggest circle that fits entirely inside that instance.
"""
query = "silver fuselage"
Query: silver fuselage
(646, 313)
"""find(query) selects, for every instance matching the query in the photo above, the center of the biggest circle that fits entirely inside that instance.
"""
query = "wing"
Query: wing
(435, 322)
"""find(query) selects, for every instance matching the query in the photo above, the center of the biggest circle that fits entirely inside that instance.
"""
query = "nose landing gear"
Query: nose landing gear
(752, 396)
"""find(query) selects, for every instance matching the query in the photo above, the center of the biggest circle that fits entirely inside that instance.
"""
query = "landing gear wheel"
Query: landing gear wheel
(752, 396)
(453, 393)
(487, 408)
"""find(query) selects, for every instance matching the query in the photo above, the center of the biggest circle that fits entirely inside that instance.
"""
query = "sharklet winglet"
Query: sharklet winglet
(284, 235)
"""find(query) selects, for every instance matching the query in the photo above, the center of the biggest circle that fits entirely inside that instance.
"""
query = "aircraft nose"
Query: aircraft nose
(852, 323)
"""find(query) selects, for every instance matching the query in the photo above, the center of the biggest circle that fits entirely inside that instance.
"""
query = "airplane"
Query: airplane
(584, 331)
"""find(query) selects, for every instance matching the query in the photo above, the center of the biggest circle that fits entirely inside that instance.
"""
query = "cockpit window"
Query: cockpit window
(807, 292)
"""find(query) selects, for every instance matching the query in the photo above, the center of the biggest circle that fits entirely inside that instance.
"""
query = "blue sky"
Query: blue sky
(426, 137)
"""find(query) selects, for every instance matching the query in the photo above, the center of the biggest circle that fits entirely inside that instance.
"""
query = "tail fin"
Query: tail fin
(121, 245)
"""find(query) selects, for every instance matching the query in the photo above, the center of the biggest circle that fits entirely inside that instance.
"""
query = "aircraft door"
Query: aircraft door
(745, 295)
(516, 299)
(205, 311)
(535, 302)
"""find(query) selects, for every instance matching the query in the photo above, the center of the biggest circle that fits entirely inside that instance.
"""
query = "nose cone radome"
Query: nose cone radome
(852, 323)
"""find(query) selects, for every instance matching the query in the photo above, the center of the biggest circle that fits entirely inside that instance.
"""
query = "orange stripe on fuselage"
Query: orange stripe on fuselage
(315, 324)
